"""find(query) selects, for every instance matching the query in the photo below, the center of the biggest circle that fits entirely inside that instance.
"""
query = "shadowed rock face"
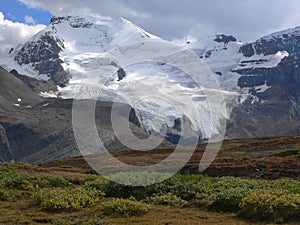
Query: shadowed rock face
(224, 38)
(75, 22)
(36, 130)
(12, 91)
(37, 86)
(43, 54)
(289, 42)
(278, 111)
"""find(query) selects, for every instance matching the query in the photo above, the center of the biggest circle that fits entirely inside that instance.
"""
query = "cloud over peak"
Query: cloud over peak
(246, 20)
(14, 33)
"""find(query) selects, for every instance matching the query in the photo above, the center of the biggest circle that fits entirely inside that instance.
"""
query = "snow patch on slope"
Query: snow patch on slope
(262, 61)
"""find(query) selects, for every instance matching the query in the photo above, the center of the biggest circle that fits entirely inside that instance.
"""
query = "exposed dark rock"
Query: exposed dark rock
(43, 54)
(283, 79)
(247, 50)
(276, 111)
(121, 74)
(252, 80)
(74, 21)
(224, 38)
(269, 45)
(174, 134)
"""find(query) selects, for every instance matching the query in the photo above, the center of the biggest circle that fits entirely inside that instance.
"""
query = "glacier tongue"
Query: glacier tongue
(163, 81)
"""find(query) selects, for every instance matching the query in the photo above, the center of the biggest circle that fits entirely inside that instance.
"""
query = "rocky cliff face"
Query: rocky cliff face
(43, 55)
(277, 111)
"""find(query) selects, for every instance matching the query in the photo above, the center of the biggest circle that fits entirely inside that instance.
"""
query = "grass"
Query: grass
(182, 199)
(219, 198)
(157, 215)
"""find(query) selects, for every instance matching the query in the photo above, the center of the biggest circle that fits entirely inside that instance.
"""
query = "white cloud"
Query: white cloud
(247, 20)
(13, 34)
(29, 20)
(78, 7)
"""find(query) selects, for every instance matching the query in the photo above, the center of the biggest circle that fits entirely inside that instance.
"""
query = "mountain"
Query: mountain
(79, 55)
(74, 58)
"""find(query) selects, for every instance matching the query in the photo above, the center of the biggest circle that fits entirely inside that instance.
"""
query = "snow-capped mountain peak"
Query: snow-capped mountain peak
(42, 56)
(74, 53)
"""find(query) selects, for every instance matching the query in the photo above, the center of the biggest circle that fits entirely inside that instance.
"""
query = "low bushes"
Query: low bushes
(3, 195)
(53, 181)
(222, 194)
(275, 206)
(67, 198)
(166, 199)
(276, 201)
(125, 207)
(185, 187)
(11, 179)
(228, 200)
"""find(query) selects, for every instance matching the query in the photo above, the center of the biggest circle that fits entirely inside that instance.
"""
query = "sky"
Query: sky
(247, 20)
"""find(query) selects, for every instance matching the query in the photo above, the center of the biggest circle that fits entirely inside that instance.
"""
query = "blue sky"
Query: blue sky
(16, 11)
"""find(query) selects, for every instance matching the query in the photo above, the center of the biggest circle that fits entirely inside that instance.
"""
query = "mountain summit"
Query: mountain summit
(72, 35)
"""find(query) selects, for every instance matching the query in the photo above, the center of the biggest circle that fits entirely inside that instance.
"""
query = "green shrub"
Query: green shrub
(67, 198)
(184, 187)
(108, 187)
(10, 178)
(125, 207)
(225, 183)
(166, 199)
(204, 187)
(274, 206)
(223, 193)
(116, 190)
(228, 200)
(91, 177)
(4, 195)
(139, 178)
(292, 186)
(53, 181)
